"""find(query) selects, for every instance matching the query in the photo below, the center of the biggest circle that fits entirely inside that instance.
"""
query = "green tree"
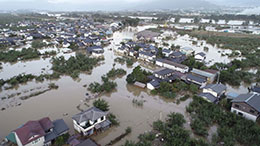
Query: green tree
(101, 104)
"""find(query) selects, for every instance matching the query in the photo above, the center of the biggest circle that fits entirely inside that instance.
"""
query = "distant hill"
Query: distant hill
(176, 4)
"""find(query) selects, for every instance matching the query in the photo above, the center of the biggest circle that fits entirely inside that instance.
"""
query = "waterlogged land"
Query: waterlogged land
(71, 97)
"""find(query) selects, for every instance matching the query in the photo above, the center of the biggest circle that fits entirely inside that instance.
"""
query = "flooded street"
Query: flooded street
(71, 93)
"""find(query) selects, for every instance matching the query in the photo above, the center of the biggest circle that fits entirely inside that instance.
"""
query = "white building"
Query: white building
(146, 56)
(200, 56)
(187, 50)
(186, 20)
(90, 120)
(172, 65)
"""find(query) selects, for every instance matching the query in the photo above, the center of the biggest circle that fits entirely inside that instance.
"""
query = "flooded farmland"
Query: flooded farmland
(70, 96)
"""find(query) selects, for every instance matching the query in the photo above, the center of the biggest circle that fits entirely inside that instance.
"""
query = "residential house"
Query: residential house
(198, 80)
(186, 20)
(186, 50)
(75, 141)
(209, 75)
(255, 89)
(38, 133)
(95, 51)
(213, 92)
(247, 105)
(147, 35)
(177, 57)
(172, 65)
(154, 84)
(122, 50)
(91, 120)
(200, 56)
(146, 56)
(163, 73)
(65, 44)
(88, 142)
(87, 42)
(167, 52)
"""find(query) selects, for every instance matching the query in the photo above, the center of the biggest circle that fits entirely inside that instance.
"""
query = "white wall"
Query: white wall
(246, 115)
(39, 143)
(210, 91)
(80, 129)
(150, 86)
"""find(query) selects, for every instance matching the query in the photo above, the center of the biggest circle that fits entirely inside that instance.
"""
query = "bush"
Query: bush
(101, 104)
(112, 118)
(74, 65)
(24, 54)
(139, 75)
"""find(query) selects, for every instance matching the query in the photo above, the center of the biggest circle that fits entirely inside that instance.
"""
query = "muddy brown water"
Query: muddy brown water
(71, 94)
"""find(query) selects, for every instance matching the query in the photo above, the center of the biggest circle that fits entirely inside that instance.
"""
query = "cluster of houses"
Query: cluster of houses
(45, 132)
(80, 34)
(247, 105)
(232, 26)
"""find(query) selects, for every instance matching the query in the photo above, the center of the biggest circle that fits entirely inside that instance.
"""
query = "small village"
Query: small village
(156, 66)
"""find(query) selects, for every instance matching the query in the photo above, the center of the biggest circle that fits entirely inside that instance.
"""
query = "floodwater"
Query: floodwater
(71, 94)
(70, 97)
(213, 54)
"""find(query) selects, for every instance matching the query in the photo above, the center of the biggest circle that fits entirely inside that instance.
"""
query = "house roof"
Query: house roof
(29, 132)
(155, 83)
(202, 73)
(90, 114)
(212, 71)
(177, 54)
(251, 99)
(202, 54)
(146, 53)
(88, 142)
(147, 34)
(166, 51)
(172, 63)
(46, 123)
(164, 71)
(256, 89)
(196, 78)
(33, 130)
(186, 48)
(11, 137)
(60, 126)
(209, 96)
(95, 48)
(218, 88)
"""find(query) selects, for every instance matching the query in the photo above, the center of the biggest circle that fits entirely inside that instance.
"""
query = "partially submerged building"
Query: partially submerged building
(90, 121)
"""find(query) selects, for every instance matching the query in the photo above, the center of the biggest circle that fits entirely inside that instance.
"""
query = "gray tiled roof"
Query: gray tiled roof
(251, 99)
(60, 126)
(155, 83)
(196, 78)
(202, 73)
(88, 142)
(218, 88)
(90, 114)
(256, 89)
(209, 96)
(164, 71)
